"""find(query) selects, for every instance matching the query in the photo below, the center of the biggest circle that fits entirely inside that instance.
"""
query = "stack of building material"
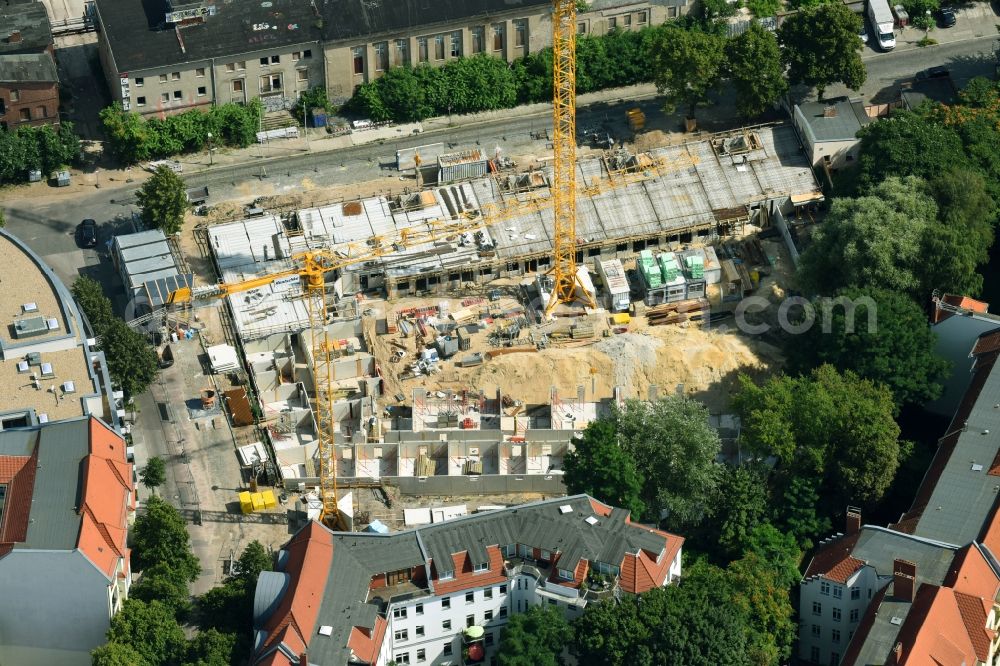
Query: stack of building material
(650, 271)
(223, 358)
(696, 266)
(425, 466)
(581, 331)
(676, 313)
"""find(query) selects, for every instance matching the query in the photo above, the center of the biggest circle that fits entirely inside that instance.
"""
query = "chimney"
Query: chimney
(830, 111)
(897, 653)
(904, 574)
(853, 520)
(15, 37)
(304, 658)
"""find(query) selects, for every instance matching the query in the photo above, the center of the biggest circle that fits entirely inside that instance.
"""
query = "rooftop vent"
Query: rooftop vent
(830, 111)
(29, 307)
(590, 520)
(976, 467)
(29, 327)
(47, 370)
(325, 630)
(896, 621)
(565, 508)
(69, 387)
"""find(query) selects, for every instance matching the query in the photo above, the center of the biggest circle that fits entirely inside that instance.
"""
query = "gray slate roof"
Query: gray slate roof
(31, 20)
(28, 68)
(965, 494)
(850, 117)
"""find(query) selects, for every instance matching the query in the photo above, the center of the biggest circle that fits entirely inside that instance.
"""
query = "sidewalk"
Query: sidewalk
(973, 22)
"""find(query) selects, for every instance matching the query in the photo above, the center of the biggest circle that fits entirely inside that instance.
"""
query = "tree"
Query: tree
(821, 46)
(535, 638)
(154, 473)
(619, 634)
(872, 241)
(132, 363)
(906, 144)
(879, 335)
(252, 562)
(117, 654)
(674, 449)
(799, 511)
(686, 65)
(599, 467)
(3, 219)
(90, 296)
(164, 583)
(160, 536)
(163, 201)
(211, 648)
(229, 606)
(761, 597)
(779, 550)
(837, 430)
(756, 70)
(740, 507)
(150, 629)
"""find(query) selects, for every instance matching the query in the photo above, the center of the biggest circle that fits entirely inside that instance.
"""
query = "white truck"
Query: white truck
(882, 21)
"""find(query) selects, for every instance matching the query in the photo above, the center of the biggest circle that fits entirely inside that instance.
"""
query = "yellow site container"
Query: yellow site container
(246, 504)
(621, 319)
(258, 501)
(269, 501)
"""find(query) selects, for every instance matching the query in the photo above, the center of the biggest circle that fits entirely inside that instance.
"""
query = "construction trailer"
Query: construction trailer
(615, 283)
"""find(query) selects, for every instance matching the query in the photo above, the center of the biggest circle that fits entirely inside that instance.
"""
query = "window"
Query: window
(401, 52)
(446, 575)
(520, 32)
(420, 630)
(422, 49)
(307, 53)
(612, 23)
(242, 64)
(200, 72)
(836, 615)
(25, 114)
(815, 631)
(275, 59)
(488, 593)
(401, 635)
(139, 81)
(545, 555)
(855, 593)
(263, 61)
(498, 29)
(817, 608)
(479, 568)
(565, 574)
(446, 625)
(358, 57)
(478, 39)
(419, 609)
(175, 76)
(503, 589)
(439, 47)
(270, 83)
(854, 615)
(581, 28)
(470, 620)
(489, 638)
(202, 91)
(456, 44)
(381, 56)
(296, 56)
(140, 101)
(487, 616)
(164, 97)
(627, 20)
(470, 597)
(834, 657)
(446, 602)
(502, 612)
(838, 592)
(446, 652)
(672, 13)
(552, 602)
(814, 654)
(230, 66)
(302, 75)
(643, 17)
(399, 613)
(403, 658)
(421, 655)
(238, 85)
(178, 95)
(163, 78)
(824, 588)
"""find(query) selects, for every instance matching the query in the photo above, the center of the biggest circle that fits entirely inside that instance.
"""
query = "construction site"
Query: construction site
(449, 366)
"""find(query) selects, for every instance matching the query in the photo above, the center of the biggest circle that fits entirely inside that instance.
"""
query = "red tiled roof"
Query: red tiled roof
(600, 508)
(988, 342)
(106, 494)
(835, 555)
(294, 620)
(367, 643)
(965, 303)
(974, 612)
(18, 473)
(641, 572)
(934, 631)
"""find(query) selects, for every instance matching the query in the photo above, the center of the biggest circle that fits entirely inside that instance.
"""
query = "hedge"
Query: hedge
(43, 148)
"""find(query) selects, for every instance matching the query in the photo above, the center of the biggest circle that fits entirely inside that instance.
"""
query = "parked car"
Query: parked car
(863, 34)
(946, 17)
(87, 233)
(932, 73)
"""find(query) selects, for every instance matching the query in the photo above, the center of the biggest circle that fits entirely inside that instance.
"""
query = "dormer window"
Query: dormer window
(565, 574)
(446, 575)
(479, 568)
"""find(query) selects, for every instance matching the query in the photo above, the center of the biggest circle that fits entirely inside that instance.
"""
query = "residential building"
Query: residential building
(408, 597)
(211, 53)
(29, 80)
(66, 500)
(829, 130)
(957, 322)
(924, 590)
(50, 369)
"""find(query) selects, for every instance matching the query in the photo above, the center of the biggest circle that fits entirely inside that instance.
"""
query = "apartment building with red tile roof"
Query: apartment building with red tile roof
(66, 501)
(366, 598)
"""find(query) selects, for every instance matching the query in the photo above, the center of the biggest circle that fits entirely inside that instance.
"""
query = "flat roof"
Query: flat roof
(24, 281)
(31, 20)
(845, 118)
(28, 67)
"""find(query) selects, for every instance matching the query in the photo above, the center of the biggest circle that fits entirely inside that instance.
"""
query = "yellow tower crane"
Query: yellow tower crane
(312, 267)
(567, 286)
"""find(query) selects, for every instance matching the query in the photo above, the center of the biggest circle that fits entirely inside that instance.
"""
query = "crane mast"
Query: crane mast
(563, 269)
